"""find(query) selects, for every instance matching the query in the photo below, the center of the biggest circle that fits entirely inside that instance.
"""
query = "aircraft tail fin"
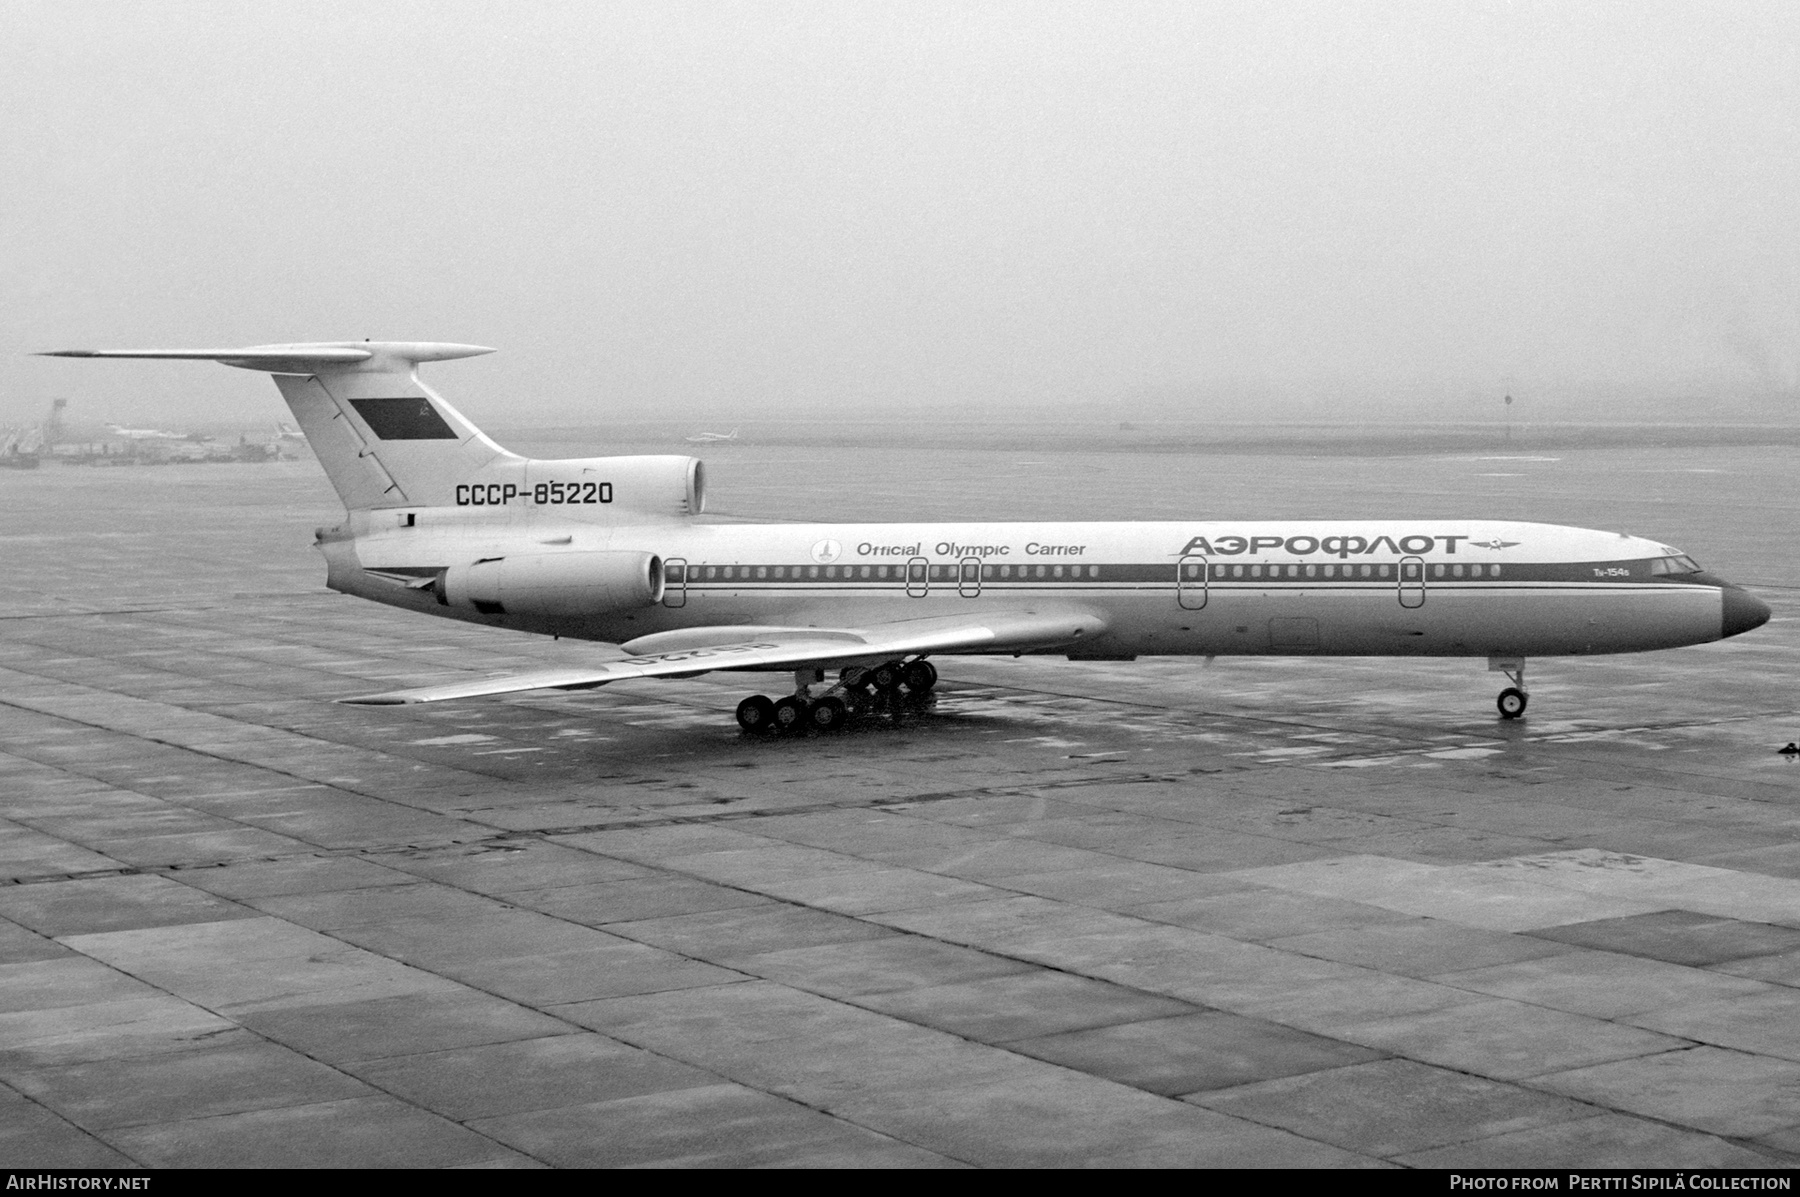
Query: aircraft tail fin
(384, 438)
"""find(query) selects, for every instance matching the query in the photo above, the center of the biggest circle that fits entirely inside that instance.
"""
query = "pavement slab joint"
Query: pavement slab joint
(1078, 912)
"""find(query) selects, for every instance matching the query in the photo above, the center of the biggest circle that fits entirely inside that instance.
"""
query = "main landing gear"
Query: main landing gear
(1512, 700)
(857, 691)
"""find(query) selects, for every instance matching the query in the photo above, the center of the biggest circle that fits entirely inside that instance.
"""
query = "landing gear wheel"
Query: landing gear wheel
(828, 714)
(1511, 702)
(756, 714)
(920, 676)
(886, 678)
(789, 716)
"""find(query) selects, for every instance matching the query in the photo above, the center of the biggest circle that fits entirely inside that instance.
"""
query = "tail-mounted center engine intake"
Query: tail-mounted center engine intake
(661, 485)
(565, 584)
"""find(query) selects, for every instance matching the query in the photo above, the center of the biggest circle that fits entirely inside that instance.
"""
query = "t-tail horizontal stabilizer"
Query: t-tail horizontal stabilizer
(384, 438)
(362, 357)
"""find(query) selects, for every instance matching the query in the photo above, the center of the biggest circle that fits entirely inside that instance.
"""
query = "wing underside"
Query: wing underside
(788, 648)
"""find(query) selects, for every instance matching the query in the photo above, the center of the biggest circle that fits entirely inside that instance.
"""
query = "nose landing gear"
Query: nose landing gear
(857, 690)
(1512, 700)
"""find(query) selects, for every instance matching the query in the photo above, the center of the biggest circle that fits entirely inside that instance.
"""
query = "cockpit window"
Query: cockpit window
(1674, 565)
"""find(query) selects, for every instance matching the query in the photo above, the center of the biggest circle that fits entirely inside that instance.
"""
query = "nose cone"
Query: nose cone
(1742, 611)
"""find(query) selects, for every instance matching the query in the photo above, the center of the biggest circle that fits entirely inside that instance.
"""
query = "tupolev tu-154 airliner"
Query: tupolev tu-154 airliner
(443, 521)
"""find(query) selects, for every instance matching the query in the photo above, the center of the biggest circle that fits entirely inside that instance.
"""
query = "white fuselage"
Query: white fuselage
(1340, 587)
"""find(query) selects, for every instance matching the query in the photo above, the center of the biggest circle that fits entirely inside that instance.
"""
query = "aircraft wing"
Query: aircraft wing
(787, 648)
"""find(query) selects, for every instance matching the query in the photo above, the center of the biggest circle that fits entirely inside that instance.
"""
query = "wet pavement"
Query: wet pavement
(1263, 912)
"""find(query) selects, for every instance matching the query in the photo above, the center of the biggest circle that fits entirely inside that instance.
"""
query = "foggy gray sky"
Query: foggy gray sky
(777, 209)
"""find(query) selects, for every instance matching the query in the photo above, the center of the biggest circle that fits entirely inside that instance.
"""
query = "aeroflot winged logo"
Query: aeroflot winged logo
(1335, 546)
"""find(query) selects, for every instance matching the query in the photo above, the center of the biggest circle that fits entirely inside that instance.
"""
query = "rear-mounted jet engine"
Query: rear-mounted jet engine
(553, 584)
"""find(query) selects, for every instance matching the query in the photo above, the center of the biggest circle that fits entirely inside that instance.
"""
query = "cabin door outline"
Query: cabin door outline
(1412, 582)
(918, 577)
(968, 577)
(1190, 582)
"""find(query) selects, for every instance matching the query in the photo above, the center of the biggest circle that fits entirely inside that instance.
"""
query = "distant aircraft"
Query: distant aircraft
(287, 432)
(443, 521)
(147, 434)
(709, 438)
